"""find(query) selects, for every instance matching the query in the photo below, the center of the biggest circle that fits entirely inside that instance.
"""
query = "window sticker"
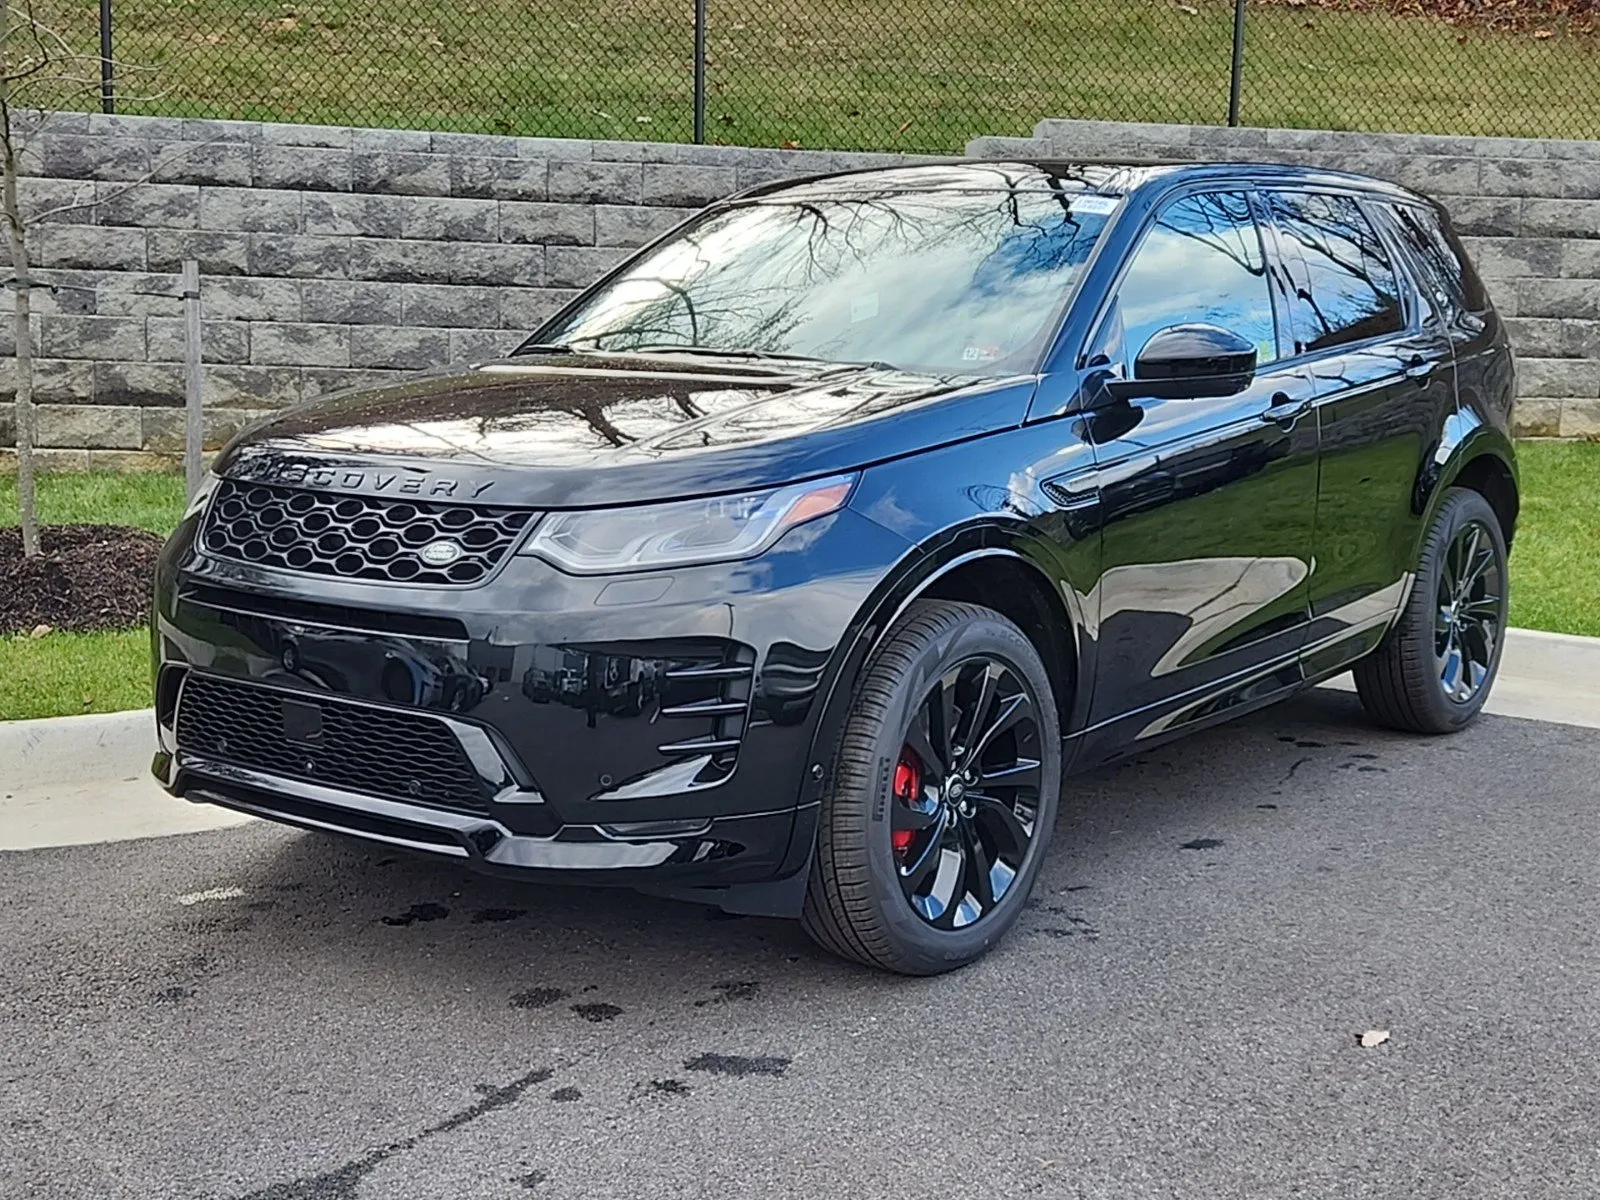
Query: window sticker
(864, 308)
(980, 354)
(1099, 206)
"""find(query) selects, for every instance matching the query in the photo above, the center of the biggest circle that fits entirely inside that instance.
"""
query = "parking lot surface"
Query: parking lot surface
(259, 1012)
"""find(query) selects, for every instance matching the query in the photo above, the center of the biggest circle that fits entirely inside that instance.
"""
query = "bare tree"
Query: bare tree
(24, 56)
(41, 73)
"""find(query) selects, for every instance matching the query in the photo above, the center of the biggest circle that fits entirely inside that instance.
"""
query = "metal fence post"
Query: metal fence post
(108, 91)
(699, 71)
(1236, 82)
(193, 415)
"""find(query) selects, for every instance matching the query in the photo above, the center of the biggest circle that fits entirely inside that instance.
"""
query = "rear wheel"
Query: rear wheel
(1433, 672)
(942, 795)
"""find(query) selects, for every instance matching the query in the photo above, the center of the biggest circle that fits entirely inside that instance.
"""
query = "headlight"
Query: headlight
(716, 529)
(202, 495)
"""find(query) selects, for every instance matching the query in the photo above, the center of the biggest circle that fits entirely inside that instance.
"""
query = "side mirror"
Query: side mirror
(1182, 362)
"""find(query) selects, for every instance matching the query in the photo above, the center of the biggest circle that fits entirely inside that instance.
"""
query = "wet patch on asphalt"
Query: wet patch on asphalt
(539, 997)
(496, 915)
(344, 1181)
(737, 1065)
(731, 993)
(419, 912)
(665, 1087)
(597, 1012)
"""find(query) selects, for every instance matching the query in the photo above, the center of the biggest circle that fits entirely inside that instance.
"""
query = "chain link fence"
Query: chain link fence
(852, 74)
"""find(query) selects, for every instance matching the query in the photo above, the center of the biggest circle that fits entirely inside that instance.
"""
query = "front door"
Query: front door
(1207, 504)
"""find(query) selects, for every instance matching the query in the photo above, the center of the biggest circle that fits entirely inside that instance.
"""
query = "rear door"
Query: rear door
(1207, 503)
(1383, 378)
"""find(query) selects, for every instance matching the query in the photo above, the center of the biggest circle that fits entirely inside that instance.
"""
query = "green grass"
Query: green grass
(153, 501)
(1555, 563)
(66, 673)
(842, 74)
(1552, 571)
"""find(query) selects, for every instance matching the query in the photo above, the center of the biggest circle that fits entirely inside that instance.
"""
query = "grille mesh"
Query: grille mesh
(401, 756)
(358, 537)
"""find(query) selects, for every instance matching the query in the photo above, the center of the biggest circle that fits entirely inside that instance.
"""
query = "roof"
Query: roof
(1107, 178)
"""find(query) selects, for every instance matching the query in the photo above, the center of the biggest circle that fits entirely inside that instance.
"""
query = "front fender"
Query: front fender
(1465, 437)
(920, 573)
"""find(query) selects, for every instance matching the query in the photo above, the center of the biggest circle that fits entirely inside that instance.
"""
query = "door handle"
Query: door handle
(1286, 410)
(1420, 369)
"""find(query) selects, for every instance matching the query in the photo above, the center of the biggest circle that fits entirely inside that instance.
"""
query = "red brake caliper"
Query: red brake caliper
(907, 788)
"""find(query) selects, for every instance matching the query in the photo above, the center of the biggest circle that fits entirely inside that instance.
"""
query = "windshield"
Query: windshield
(937, 281)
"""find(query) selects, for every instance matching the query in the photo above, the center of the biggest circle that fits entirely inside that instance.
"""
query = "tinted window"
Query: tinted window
(948, 281)
(1200, 261)
(1425, 234)
(1343, 276)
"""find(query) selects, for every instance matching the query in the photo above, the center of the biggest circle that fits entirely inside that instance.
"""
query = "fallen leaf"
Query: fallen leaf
(904, 127)
(1373, 1037)
(789, 145)
(40, 630)
(1187, 8)
(1542, 35)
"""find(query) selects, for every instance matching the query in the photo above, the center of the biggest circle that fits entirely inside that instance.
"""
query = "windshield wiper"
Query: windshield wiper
(545, 348)
(715, 352)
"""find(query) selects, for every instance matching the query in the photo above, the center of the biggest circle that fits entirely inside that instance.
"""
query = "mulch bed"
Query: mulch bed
(88, 577)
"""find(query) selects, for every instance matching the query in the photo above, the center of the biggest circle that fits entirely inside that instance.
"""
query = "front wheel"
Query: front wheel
(941, 797)
(1433, 672)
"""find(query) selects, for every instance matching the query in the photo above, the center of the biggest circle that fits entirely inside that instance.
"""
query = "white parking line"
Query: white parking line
(216, 893)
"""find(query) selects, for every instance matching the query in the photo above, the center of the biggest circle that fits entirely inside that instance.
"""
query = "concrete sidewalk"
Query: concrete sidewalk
(82, 780)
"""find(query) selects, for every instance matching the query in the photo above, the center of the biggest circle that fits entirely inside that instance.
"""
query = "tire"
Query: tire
(857, 905)
(1403, 684)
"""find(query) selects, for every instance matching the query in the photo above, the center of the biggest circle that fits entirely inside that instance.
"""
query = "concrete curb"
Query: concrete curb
(1550, 676)
(59, 750)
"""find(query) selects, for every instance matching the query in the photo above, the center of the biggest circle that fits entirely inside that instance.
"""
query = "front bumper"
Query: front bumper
(652, 730)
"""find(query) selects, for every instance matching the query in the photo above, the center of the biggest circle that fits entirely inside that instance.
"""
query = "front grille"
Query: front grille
(379, 752)
(360, 537)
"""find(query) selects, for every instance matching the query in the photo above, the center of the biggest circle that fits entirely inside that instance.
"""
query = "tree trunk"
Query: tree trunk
(21, 322)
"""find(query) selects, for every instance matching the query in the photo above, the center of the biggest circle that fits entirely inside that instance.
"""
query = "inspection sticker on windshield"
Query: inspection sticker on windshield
(980, 354)
(864, 308)
(1102, 206)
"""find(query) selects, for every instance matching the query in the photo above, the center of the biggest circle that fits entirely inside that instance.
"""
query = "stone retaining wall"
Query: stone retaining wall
(332, 257)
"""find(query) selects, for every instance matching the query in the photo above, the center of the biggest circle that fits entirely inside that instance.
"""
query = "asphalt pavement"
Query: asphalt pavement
(259, 1012)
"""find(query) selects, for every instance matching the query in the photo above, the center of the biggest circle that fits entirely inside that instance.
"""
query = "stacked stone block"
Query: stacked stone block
(337, 257)
(330, 258)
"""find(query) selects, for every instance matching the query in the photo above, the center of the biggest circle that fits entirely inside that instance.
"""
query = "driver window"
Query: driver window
(1201, 261)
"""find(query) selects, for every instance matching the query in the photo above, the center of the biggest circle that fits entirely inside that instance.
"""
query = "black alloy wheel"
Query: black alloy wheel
(1433, 671)
(1470, 612)
(942, 793)
(966, 791)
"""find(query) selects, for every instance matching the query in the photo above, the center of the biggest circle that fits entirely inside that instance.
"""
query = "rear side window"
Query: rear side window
(1200, 262)
(1425, 234)
(1343, 276)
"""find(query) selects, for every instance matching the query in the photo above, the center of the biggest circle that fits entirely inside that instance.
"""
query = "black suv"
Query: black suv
(792, 565)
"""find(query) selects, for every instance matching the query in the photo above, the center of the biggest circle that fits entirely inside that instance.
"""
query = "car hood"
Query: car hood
(582, 430)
